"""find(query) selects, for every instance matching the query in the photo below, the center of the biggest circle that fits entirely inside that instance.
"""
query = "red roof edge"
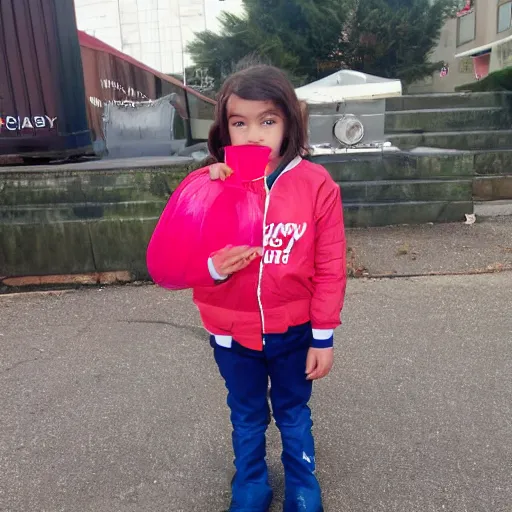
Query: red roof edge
(94, 43)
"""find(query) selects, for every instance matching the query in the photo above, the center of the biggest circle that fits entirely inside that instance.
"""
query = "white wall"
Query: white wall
(100, 19)
(150, 30)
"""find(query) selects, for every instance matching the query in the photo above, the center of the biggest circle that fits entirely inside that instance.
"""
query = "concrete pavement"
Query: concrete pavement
(110, 401)
(432, 248)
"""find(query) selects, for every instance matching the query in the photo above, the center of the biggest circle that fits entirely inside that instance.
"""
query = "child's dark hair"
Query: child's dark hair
(261, 83)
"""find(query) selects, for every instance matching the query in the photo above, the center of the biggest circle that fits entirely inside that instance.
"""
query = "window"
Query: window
(504, 16)
(202, 114)
(466, 28)
(466, 66)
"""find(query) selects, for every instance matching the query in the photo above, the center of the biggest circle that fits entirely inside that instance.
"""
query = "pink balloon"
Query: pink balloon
(203, 216)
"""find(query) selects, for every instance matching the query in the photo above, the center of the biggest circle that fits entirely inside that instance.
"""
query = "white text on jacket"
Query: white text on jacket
(279, 240)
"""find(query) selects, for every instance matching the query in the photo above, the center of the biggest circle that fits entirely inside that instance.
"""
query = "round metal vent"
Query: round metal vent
(349, 130)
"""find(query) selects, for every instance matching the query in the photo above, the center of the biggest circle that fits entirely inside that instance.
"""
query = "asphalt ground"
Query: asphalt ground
(110, 401)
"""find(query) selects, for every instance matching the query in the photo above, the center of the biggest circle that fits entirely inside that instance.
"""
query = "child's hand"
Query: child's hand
(319, 362)
(232, 259)
(220, 171)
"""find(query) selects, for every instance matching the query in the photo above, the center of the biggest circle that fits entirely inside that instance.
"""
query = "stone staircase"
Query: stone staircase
(81, 218)
(463, 121)
(402, 188)
(419, 187)
(455, 149)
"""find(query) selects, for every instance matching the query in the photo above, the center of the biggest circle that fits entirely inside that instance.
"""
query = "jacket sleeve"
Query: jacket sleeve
(330, 276)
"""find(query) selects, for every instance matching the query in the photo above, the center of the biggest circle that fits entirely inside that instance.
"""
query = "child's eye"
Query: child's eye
(238, 124)
(269, 122)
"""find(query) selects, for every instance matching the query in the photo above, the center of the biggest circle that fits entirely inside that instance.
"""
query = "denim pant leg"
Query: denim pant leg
(246, 377)
(290, 394)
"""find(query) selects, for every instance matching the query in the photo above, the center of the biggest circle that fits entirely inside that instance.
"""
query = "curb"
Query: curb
(492, 269)
(60, 283)
(92, 278)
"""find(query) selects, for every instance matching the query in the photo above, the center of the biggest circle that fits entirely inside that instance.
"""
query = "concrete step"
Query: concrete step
(66, 212)
(493, 162)
(42, 194)
(466, 141)
(444, 120)
(75, 247)
(34, 187)
(398, 166)
(412, 212)
(450, 100)
(406, 190)
(489, 209)
(492, 188)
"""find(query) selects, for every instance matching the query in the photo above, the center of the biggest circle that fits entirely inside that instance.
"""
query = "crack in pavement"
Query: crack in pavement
(19, 363)
(196, 330)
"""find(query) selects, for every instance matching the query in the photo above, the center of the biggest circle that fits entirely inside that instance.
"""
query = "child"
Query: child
(275, 317)
(271, 310)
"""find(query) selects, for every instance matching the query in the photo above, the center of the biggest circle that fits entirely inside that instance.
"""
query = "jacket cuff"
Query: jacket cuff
(322, 338)
(213, 273)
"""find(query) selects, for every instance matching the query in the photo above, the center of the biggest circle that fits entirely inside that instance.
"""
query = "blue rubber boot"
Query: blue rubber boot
(302, 489)
(251, 491)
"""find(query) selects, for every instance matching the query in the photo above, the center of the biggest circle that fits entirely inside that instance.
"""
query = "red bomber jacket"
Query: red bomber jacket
(302, 274)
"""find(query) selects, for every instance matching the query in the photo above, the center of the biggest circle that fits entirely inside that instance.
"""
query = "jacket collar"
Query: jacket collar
(271, 178)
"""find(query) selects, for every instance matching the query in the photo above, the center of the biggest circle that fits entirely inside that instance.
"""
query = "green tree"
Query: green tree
(294, 35)
(395, 38)
(389, 38)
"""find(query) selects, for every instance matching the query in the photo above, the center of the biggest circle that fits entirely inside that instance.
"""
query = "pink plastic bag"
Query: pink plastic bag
(203, 216)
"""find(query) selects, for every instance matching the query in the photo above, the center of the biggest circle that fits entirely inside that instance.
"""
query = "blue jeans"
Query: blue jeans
(246, 373)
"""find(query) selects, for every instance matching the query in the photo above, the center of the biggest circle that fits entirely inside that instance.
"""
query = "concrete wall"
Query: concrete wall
(461, 69)
(486, 25)
(76, 219)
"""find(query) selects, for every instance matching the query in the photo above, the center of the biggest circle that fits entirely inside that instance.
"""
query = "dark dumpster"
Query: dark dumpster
(42, 97)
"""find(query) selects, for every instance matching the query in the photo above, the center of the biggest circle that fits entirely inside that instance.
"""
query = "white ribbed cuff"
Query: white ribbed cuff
(215, 275)
(223, 341)
(322, 334)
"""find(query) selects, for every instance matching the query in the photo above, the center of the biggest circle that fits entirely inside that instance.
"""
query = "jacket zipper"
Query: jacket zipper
(265, 211)
(260, 275)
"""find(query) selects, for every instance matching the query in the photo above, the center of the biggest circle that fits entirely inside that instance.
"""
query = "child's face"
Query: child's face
(255, 122)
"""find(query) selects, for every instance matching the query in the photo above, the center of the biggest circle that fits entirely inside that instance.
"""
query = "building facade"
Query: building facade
(154, 32)
(473, 43)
